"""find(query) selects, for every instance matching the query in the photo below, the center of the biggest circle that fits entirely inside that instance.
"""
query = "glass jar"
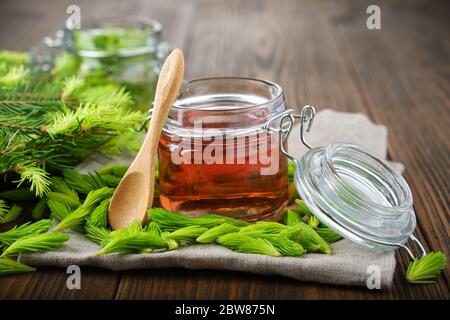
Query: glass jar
(117, 51)
(350, 189)
(215, 155)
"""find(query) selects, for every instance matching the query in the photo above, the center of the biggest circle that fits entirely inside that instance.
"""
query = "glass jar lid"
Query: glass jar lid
(357, 194)
(350, 189)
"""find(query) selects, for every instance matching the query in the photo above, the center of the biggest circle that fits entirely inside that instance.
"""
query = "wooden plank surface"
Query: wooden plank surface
(322, 54)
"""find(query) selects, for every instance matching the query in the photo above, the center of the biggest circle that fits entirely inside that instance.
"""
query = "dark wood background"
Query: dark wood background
(322, 54)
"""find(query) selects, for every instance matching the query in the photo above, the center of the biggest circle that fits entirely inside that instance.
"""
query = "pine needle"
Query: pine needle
(426, 269)
(35, 243)
(9, 266)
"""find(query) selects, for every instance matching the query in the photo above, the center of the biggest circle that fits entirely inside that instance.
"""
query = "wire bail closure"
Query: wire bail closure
(147, 120)
(287, 121)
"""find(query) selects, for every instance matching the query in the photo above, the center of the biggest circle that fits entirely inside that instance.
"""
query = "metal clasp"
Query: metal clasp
(414, 239)
(147, 119)
(287, 121)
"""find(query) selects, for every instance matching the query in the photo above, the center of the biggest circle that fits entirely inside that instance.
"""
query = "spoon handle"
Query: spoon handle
(134, 194)
(167, 90)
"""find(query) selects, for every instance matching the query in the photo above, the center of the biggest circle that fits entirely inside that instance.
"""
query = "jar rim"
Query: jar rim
(384, 210)
(279, 91)
(151, 27)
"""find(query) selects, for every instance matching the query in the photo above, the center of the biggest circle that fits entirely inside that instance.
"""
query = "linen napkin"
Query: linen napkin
(349, 264)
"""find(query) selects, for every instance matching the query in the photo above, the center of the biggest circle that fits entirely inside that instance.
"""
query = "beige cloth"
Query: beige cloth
(347, 265)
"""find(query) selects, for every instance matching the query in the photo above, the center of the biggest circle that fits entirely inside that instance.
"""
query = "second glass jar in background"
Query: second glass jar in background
(123, 51)
(215, 155)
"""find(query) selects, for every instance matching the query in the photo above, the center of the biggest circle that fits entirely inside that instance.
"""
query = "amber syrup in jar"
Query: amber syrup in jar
(229, 166)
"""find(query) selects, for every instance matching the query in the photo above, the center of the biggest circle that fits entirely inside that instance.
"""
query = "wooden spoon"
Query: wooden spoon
(134, 194)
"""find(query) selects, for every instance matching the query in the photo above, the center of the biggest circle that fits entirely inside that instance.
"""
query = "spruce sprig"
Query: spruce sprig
(11, 214)
(132, 239)
(97, 234)
(247, 244)
(9, 266)
(212, 234)
(35, 243)
(99, 216)
(186, 234)
(27, 229)
(308, 238)
(426, 269)
(76, 218)
(171, 221)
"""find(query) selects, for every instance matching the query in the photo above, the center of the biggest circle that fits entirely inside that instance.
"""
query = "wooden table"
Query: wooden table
(322, 53)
